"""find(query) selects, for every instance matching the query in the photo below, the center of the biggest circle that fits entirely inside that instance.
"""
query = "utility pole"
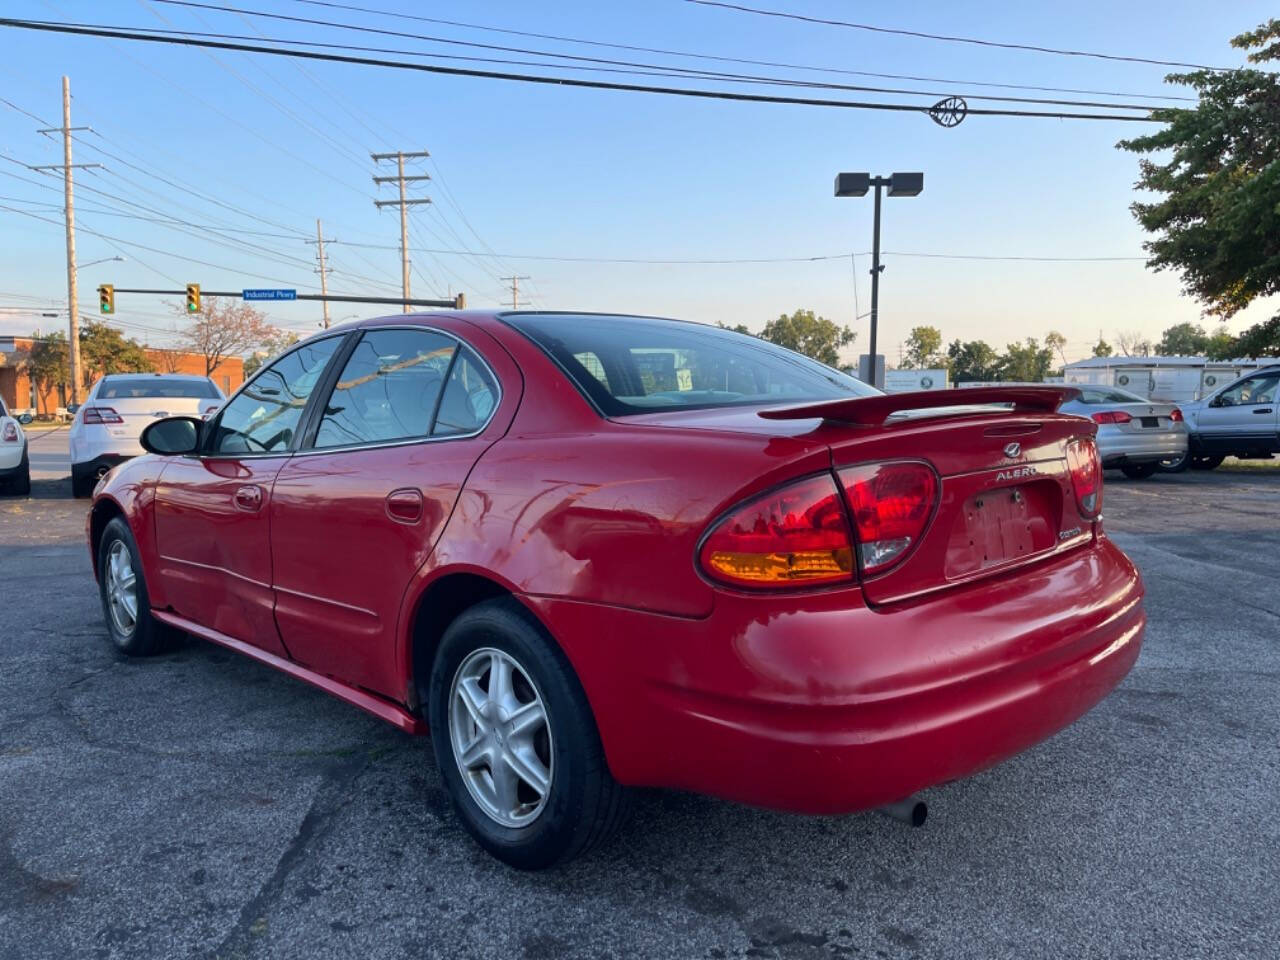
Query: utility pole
(324, 272)
(403, 203)
(515, 290)
(73, 308)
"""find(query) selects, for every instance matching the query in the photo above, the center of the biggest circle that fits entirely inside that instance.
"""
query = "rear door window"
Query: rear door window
(389, 389)
(469, 398)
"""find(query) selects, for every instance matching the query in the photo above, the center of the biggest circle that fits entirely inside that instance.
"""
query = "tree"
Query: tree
(1221, 344)
(48, 367)
(736, 328)
(1133, 343)
(1183, 340)
(811, 335)
(1217, 220)
(974, 360)
(222, 330)
(1026, 362)
(275, 344)
(922, 348)
(1260, 340)
(105, 349)
(168, 360)
(1056, 341)
(1102, 348)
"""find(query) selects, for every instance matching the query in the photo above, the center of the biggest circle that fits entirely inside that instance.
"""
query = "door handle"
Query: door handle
(1264, 410)
(248, 497)
(405, 505)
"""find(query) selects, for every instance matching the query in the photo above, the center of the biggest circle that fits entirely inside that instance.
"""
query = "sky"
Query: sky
(239, 155)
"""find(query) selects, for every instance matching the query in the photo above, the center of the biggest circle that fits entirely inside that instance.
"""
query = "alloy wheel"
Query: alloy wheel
(122, 588)
(501, 737)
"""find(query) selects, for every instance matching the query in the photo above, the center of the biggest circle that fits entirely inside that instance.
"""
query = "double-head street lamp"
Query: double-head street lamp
(857, 185)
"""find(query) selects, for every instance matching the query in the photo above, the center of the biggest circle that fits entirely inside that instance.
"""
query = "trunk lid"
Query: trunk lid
(139, 412)
(1005, 495)
(1143, 416)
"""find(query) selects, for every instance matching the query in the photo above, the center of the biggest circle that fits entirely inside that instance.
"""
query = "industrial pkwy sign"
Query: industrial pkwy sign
(269, 295)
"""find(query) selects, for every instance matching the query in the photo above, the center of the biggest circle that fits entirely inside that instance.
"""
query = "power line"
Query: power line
(75, 29)
(609, 66)
(724, 59)
(944, 37)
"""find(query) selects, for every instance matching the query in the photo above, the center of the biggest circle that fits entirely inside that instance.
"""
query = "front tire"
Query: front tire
(516, 742)
(123, 590)
(1139, 471)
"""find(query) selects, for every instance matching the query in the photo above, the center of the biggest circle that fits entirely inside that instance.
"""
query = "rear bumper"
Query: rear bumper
(81, 472)
(13, 459)
(1117, 447)
(822, 704)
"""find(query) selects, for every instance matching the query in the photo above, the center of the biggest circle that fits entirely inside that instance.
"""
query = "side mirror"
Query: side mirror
(26, 418)
(72, 408)
(172, 436)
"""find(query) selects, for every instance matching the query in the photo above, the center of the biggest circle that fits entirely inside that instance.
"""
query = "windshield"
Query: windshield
(629, 365)
(140, 387)
(1110, 395)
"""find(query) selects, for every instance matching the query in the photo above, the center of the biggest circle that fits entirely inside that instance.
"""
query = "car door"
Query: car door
(357, 511)
(1241, 416)
(212, 511)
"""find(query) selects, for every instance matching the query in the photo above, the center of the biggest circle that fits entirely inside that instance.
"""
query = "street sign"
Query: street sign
(269, 294)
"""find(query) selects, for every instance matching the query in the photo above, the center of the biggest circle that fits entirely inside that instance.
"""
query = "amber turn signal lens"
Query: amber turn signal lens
(794, 536)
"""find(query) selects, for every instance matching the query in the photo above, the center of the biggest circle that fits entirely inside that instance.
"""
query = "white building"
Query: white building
(1173, 379)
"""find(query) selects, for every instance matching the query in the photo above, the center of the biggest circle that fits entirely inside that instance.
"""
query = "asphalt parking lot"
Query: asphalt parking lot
(200, 805)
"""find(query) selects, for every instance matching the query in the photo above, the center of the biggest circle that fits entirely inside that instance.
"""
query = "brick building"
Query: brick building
(19, 393)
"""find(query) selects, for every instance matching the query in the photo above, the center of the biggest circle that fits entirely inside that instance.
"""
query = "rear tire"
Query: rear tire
(534, 719)
(123, 590)
(1139, 471)
(20, 485)
(82, 484)
(1176, 465)
(1206, 463)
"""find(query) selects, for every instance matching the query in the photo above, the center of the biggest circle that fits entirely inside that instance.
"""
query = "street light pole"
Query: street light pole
(875, 281)
(857, 185)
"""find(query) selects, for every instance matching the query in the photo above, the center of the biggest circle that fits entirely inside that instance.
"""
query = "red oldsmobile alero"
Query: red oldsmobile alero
(592, 552)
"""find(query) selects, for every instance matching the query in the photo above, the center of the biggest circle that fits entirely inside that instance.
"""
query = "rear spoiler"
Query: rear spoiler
(874, 411)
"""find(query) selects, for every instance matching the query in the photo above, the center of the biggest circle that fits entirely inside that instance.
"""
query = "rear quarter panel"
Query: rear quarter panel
(611, 516)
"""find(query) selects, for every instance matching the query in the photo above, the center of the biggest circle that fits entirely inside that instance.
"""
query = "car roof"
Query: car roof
(165, 376)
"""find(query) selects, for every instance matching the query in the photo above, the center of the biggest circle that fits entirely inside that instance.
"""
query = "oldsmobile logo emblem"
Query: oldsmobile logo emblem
(1012, 450)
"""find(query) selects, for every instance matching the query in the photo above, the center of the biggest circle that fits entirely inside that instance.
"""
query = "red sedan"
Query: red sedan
(593, 552)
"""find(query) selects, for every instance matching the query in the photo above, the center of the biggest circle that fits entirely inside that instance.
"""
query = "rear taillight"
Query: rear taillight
(891, 504)
(1086, 475)
(1112, 416)
(101, 415)
(1176, 415)
(10, 433)
(795, 536)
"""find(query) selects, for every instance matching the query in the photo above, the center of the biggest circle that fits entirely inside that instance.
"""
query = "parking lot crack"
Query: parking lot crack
(330, 798)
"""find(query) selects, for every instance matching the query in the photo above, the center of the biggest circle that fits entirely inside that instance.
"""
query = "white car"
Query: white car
(15, 470)
(107, 425)
(1135, 434)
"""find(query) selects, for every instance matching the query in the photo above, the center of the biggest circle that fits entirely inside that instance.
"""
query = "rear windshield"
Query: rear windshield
(140, 387)
(629, 365)
(1109, 395)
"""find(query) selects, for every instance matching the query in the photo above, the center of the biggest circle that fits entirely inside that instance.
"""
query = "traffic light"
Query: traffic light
(193, 298)
(106, 298)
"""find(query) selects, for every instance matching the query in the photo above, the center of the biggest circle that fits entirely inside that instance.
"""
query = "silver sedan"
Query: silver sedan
(1134, 434)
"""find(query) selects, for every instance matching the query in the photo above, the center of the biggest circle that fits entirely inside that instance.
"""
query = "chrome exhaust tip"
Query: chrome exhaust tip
(912, 810)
